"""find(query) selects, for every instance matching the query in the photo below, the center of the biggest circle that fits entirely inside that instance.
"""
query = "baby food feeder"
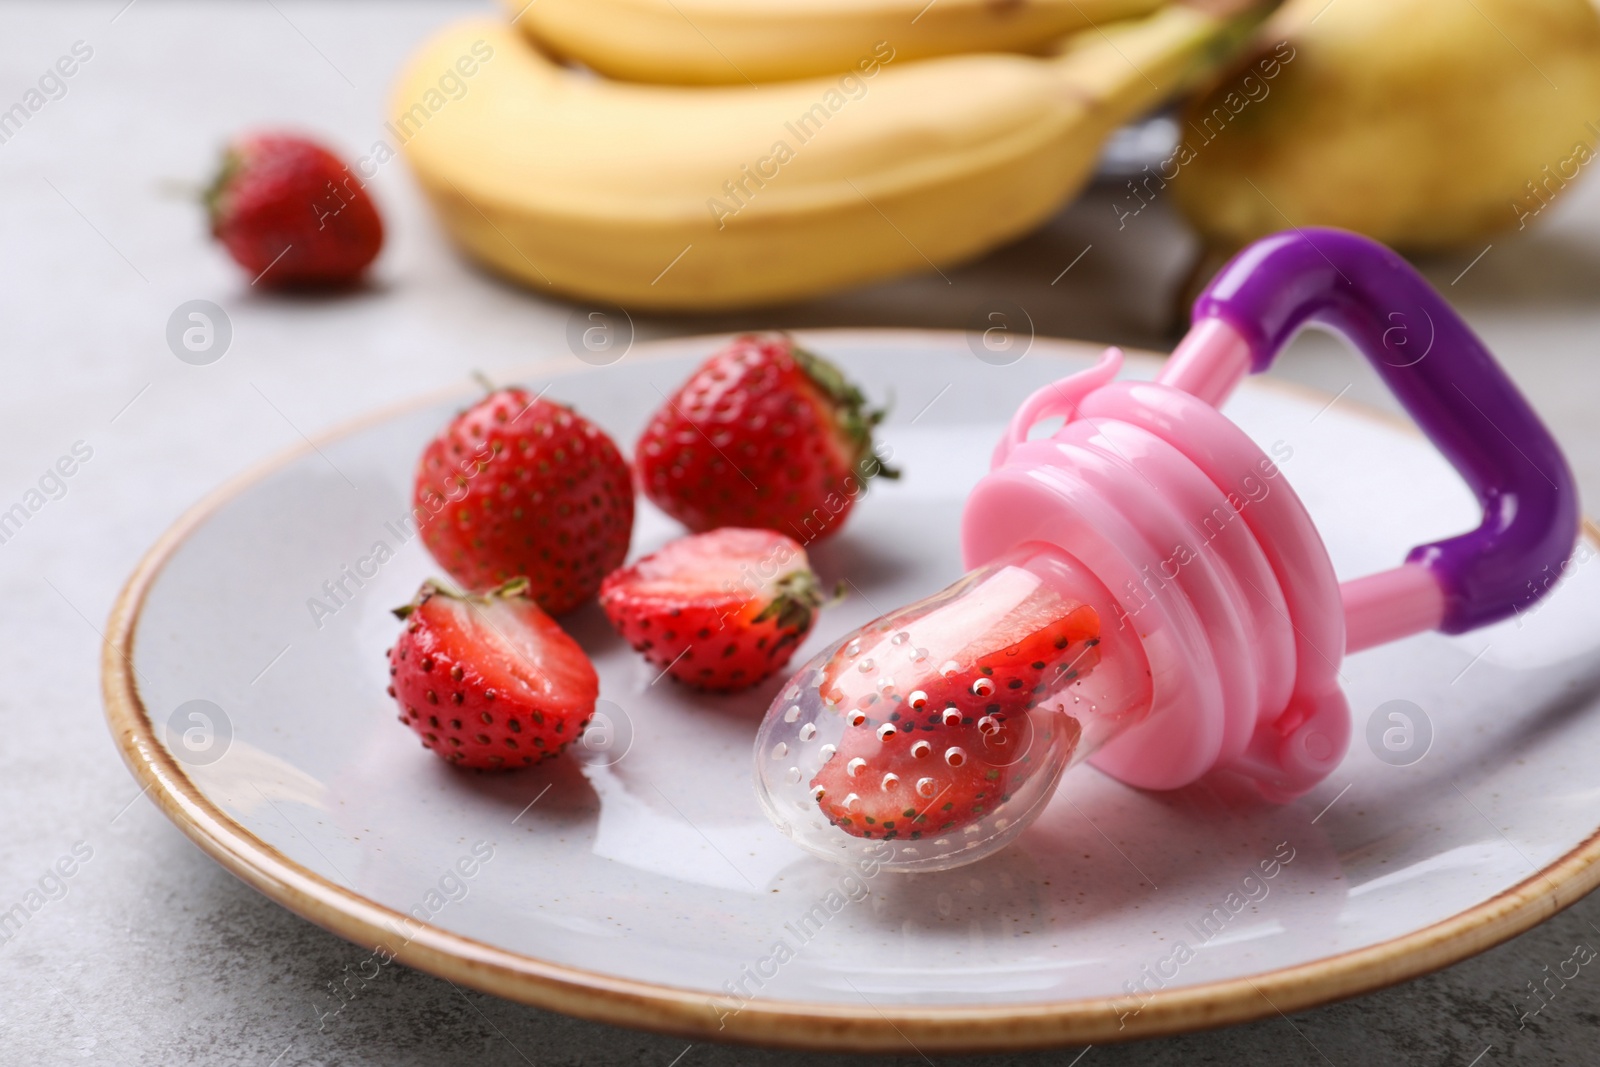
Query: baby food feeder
(1147, 591)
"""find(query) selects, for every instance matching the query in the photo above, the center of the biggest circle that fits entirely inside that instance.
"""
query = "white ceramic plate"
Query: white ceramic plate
(644, 887)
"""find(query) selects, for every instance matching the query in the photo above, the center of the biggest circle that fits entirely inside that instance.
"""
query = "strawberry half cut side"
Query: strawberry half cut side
(489, 681)
(721, 610)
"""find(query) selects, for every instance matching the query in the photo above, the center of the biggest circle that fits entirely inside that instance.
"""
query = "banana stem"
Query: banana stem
(1127, 68)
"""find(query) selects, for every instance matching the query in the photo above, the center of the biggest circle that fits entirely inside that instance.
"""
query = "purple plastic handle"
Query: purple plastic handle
(1450, 384)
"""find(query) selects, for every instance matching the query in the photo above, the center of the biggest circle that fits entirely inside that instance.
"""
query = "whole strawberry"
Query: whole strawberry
(764, 434)
(517, 486)
(489, 681)
(719, 610)
(292, 214)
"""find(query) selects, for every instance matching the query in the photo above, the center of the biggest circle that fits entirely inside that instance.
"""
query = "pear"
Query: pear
(1427, 124)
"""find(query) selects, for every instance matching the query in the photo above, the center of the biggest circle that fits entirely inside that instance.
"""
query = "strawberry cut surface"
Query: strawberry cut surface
(953, 707)
(998, 650)
(719, 610)
(489, 681)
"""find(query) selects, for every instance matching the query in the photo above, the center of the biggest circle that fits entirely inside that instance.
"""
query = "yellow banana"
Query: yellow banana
(689, 198)
(708, 42)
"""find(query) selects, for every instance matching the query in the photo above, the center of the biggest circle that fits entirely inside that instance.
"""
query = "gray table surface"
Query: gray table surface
(156, 955)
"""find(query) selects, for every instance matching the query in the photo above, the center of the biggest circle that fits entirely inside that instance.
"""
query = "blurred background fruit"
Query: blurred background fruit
(291, 213)
(1428, 124)
(677, 198)
(712, 42)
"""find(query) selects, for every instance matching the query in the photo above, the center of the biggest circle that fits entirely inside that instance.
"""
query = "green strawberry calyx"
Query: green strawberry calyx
(797, 596)
(213, 196)
(854, 417)
(515, 589)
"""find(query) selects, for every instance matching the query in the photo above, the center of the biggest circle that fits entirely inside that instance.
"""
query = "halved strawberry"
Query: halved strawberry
(994, 650)
(489, 681)
(719, 610)
(952, 705)
(1020, 675)
(900, 781)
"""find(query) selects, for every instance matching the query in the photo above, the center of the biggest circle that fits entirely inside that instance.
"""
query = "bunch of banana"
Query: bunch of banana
(710, 42)
(676, 197)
